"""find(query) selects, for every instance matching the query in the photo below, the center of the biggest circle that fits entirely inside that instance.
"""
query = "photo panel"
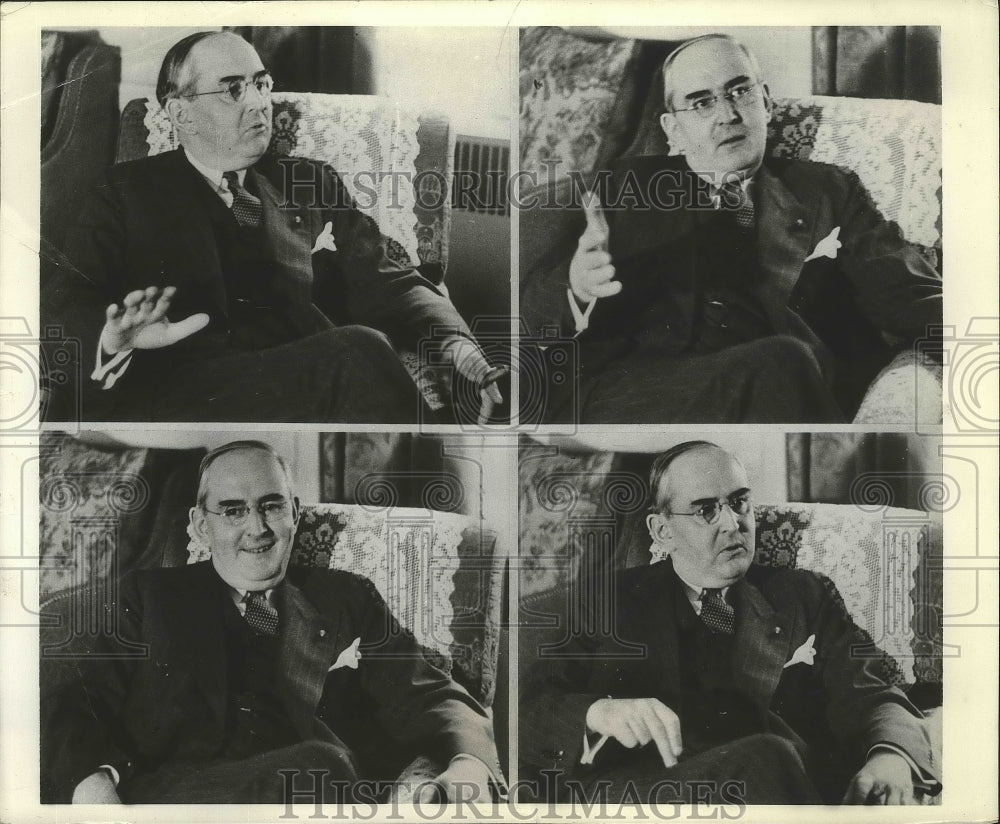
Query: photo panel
(729, 618)
(367, 671)
(278, 214)
(730, 224)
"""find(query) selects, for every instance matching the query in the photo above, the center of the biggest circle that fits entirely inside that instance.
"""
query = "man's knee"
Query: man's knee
(364, 339)
(775, 750)
(783, 352)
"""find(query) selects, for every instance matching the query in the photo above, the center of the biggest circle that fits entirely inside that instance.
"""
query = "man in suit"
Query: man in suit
(255, 673)
(721, 681)
(214, 283)
(722, 287)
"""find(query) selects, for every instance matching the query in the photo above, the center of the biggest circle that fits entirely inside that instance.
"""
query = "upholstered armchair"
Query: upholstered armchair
(580, 516)
(396, 163)
(586, 102)
(107, 510)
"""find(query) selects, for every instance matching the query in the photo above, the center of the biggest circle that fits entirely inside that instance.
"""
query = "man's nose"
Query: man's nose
(730, 519)
(726, 111)
(255, 522)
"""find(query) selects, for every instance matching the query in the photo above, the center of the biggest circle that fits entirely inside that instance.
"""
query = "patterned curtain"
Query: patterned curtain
(895, 62)
(894, 469)
(323, 59)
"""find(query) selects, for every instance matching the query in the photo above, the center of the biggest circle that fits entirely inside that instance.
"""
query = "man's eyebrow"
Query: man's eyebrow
(736, 81)
(273, 496)
(229, 78)
(710, 500)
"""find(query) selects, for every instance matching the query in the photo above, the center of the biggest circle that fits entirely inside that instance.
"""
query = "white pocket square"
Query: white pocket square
(827, 247)
(325, 239)
(349, 657)
(804, 654)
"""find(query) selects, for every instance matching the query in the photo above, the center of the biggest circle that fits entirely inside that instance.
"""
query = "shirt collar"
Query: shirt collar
(239, 597)
(214, 176)
(694, 593)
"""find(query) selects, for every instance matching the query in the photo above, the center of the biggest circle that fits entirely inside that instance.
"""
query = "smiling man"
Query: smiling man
(722, 285)
(722, 682)
(251, 674)
(203, 286)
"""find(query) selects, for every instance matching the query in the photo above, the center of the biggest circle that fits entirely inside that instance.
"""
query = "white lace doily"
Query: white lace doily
(894, 146)
(370, 141)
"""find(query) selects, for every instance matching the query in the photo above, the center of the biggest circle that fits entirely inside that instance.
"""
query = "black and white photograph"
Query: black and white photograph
(448, 411)
(731, 619)
(265, 618)
(732, 225)
(268, 224)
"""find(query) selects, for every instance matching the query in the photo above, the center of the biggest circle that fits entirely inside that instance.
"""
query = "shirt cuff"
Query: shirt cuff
(109, 373)
(581, 317)
(111, 771)
(921, 780)
(590, 752)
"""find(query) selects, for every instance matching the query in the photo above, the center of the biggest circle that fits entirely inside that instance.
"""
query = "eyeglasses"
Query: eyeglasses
(235, 90)
(743, 94)
(273, 512)
(709, 513)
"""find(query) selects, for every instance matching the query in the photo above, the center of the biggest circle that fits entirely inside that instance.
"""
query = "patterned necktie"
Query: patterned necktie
(260, 615)
(246, 208)
(717, 614)
(743, 211)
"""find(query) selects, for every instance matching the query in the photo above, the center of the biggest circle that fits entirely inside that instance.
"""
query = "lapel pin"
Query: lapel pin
(297, 220)
(322, 633)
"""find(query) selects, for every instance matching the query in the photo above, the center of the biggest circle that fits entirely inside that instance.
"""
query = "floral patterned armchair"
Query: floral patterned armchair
(396, 163)
(104, 511)
(585, 102)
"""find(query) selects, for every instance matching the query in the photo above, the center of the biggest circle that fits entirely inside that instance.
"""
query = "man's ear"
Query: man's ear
(179, 113)
(296, 511)
(768, 102)
(668, 122)
(196, 515)
(659, 528)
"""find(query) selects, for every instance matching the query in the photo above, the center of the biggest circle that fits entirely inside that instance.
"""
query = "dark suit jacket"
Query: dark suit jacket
(169, 704)
(655, 206)
(153, 222)
(838, 707)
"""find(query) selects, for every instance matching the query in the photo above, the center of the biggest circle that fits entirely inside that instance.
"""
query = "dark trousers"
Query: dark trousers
(346, 375)
(769, 380)
(267, 778)
(759, 769)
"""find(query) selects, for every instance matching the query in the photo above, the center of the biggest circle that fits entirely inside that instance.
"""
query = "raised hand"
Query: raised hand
(141, 322)
(634, 722)
(591, 274)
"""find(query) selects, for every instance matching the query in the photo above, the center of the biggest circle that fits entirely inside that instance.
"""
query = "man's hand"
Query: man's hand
(96, 788)
(141, 322)
(884, 779)
(471, 364)
(636, 722)
(591, 274)
(466, 779)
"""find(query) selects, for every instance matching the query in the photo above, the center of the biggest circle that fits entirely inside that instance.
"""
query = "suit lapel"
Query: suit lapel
(761, 644)
(785, 227)
(659, 627)
(309, 640)
(189, 218)
(289, 232)
(194, 614)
